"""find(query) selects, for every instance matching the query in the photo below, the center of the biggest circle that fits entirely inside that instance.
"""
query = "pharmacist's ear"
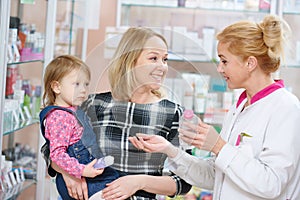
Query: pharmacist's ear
(55, 86)
(251, 63)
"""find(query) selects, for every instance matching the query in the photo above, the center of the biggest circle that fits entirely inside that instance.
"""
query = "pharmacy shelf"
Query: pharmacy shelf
(18, 126)
(43, 20)
(14, 192)
(25, 61)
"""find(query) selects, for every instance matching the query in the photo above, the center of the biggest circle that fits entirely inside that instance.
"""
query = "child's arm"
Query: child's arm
(62, 130)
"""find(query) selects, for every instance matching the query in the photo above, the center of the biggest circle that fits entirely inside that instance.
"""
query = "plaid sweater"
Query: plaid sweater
(115, 121)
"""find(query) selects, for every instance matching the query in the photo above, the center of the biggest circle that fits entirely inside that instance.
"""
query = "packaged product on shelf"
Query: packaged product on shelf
(181, 3)
(11, 78)
(227, 100)
(27, 98)
(202, 83)
(178, 39)
(189, 90)
(209, 41)
(264, 5)
(13, 50)
(11, 114)
(32, 43)
(36, 101)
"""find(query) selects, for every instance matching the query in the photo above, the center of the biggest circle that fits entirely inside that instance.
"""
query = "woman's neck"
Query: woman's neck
(257, 86)
(144, 97)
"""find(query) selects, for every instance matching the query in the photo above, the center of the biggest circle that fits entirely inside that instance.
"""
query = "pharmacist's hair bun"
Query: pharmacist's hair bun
(273, 30)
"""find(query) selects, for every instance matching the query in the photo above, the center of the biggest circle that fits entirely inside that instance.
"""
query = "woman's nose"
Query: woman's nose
(220, 67)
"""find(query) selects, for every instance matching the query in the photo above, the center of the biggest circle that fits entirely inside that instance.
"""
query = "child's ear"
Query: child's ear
(55, 86)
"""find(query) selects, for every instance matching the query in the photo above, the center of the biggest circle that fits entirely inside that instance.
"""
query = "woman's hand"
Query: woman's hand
(153, 143)
(202, 136)
(123, 187)
(77, 188)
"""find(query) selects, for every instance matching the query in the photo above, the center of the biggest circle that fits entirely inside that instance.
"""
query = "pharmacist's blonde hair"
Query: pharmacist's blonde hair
(264, 40)
(56, 70)
(120, 71)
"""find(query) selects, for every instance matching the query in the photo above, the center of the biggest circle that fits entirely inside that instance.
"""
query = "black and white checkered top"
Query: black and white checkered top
(115, 121)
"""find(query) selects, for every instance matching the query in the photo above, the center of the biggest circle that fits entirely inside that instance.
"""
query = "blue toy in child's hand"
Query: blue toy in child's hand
(104, 162)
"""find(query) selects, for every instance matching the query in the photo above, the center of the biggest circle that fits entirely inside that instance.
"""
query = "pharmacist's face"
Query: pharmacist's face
(232, 68)
(151, 66)
(73, 89)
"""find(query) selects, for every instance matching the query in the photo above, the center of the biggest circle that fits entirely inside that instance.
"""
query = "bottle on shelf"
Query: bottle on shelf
(188, 116)
(27, 98)
(36, 102)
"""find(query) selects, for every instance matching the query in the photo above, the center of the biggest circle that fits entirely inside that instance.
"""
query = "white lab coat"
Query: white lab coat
(264, 166)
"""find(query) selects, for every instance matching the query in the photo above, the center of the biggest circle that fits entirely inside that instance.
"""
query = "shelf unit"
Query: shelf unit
(73, 20)
(159, 14)
(9, 8)
(165, 14)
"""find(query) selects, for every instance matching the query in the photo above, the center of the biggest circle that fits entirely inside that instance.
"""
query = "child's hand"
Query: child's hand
(90, 171)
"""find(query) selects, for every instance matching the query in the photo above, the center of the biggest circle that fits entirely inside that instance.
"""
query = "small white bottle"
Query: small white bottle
(104, 162)
(188, 116)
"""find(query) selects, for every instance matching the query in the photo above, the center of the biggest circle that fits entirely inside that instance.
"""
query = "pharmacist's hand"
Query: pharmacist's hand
(90, 171)
(153, 143)
(202, 136)
(77, 188)
(123, 187)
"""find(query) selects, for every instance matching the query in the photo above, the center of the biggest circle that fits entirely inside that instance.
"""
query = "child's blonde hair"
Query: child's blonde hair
(58, 68)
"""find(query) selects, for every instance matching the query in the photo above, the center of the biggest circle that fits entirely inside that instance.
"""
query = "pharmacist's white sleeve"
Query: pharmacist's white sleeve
(193, 170)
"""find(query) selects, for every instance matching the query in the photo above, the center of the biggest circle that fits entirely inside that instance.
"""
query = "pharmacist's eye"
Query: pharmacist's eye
(166, 59)
(224, 62)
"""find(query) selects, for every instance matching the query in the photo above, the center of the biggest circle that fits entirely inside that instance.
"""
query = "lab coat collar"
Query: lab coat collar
(261, 94)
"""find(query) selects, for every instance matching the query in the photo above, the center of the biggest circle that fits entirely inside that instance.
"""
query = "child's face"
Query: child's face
(73, 89)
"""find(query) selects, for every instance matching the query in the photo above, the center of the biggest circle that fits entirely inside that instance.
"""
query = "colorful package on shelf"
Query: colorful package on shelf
(27, 54)
(194, 194)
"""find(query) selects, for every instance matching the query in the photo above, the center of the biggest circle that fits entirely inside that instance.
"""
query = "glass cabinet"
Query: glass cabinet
(26, 48)
(190, 30)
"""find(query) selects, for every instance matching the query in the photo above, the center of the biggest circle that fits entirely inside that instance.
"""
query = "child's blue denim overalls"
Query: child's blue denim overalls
(85, 150)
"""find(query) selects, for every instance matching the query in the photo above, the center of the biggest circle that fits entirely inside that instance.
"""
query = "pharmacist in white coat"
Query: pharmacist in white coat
(257, 154)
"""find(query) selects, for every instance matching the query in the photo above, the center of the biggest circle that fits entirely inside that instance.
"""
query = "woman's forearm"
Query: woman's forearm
(157, 184)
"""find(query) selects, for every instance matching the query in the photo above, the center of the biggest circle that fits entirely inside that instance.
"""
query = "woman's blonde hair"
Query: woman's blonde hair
(58, 68)
(263, 40)
(120, 73)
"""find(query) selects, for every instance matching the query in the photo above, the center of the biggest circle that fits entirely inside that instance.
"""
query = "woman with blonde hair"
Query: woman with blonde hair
(257, 154)
(135, 104)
